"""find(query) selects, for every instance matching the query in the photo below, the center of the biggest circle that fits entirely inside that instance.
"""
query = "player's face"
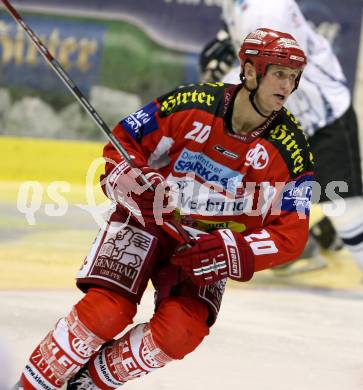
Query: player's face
(275, 87)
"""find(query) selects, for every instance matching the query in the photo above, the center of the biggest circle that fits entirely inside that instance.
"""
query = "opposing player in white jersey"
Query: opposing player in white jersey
(322, 104)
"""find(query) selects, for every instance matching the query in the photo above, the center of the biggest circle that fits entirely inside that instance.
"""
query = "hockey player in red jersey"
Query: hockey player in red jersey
(241, 175)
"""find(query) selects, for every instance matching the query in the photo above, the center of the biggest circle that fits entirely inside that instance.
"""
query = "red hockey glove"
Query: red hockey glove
(216, 256)
(146, 205)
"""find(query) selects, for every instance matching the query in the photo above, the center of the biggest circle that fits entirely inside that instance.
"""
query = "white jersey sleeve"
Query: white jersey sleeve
(323, 94)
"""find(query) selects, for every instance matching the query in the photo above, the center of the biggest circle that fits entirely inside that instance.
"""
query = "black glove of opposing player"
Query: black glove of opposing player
(217, 57)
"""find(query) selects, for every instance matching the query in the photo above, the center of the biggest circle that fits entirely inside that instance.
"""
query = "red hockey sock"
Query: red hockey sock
(179, 325)
(105, 312)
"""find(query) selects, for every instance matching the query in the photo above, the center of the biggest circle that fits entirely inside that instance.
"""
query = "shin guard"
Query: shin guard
(134, 355)
(61, 354)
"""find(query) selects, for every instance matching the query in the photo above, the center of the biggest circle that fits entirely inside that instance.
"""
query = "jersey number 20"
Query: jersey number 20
(200, 133)
(262, 246)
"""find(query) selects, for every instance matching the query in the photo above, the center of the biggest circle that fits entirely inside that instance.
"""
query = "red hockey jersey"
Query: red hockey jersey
(258, 184)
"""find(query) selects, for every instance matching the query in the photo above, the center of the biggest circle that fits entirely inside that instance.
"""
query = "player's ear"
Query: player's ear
(250, 75)
(249, 70)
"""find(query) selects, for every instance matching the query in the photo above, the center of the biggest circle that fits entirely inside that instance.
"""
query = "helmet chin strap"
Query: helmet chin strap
(252, 101)
(252, 95)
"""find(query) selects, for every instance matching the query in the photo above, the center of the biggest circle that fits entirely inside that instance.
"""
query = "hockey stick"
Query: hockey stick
(173, 228)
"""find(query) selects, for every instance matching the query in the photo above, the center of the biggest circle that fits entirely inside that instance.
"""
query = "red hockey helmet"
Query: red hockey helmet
(265, 47)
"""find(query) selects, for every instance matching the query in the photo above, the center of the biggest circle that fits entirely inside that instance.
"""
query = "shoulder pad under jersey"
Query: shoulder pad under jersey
(288, 137)
(205, 97)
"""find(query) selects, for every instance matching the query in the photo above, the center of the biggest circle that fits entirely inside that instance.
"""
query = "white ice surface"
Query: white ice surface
(264, 339)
